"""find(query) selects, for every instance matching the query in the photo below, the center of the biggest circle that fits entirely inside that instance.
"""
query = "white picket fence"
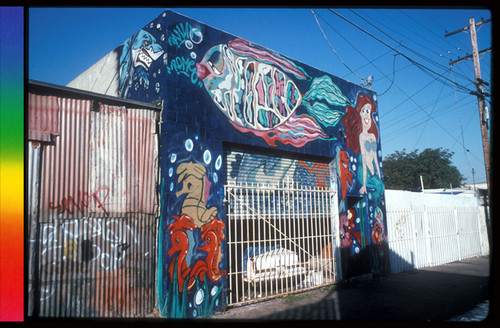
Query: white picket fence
(432, 229)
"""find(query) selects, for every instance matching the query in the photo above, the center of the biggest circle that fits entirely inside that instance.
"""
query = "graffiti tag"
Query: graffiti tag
(185, 66)
(185, 34)
(104, 241)
(84, 200)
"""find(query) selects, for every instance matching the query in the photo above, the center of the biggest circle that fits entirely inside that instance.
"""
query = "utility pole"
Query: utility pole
(479, 93)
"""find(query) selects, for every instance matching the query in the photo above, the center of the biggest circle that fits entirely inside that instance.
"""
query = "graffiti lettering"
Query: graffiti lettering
(105, 241)
(185, 34)
(68, 204)
(184, 66)
(319, 171)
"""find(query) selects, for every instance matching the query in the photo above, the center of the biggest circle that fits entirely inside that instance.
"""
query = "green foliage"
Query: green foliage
(402, 170)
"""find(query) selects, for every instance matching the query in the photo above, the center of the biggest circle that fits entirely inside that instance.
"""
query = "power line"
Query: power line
(369, 61)
(412, 61)
(446, 68)
(393, 75)
(408, 97)
(442, 111)
(444, 30)
(423, 67)
(336, 54)
(425, 27)
(427, 121)
(461, 127)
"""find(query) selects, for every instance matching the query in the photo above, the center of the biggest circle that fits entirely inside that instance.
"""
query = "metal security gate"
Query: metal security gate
(280, 240)
(93, 209)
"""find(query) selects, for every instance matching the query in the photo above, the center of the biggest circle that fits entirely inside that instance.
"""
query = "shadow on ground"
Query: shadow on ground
(434, 294)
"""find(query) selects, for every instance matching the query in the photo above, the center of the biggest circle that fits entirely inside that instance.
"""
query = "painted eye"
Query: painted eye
(216, 62)
(147, 43)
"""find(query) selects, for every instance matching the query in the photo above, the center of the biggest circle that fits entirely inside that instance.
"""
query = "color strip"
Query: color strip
(11, 163)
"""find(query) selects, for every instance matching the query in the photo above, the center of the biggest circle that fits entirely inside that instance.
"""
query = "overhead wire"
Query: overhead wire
(453, 83)
(461, 128)
(427, 121)
(421, 66)
(437, 122)
(414, 123)
(445, 68)
(431, 31)
(393, 123)
(418, 53)
(445, 31)
(334, 51)
(369, 61)
(393, 76)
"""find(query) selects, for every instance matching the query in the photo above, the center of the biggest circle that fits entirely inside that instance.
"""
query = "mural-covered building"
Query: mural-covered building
(270, 171)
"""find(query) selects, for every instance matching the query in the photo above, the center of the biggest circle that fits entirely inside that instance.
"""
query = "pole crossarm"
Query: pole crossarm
(458, 60)
(466, 28)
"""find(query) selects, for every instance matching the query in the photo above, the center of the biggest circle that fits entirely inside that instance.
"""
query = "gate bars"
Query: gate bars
(280, 240)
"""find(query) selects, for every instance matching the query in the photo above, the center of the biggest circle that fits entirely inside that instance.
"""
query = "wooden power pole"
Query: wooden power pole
(479, 93)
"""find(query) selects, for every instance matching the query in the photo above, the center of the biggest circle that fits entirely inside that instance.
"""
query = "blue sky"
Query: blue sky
(418, 109)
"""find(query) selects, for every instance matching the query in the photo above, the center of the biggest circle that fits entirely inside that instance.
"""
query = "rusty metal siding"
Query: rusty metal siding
(43, 117)
(94, 250)
(97, 267)
(142, 147)
(64, 190)
(34, 151)
(108, 169)
(102, 164)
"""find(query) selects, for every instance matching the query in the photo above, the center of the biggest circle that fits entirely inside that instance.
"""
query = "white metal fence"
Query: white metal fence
(431, 229)
(280, 240)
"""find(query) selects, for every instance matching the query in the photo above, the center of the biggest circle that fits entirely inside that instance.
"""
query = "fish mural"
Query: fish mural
(138, 53)
(253, 88)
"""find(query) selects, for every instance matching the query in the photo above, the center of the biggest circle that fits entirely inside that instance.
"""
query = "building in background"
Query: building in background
(269, 177)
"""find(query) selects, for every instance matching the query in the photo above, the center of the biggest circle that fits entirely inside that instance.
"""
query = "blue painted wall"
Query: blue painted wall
(218, 88)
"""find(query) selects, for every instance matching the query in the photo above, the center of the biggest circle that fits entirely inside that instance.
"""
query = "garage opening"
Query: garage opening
(280, 225)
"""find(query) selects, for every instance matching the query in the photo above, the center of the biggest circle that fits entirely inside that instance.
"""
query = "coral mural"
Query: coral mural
(218, 88)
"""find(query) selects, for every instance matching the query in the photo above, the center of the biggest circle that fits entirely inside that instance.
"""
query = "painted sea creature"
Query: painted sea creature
(138, 53)
(196, 187)
(253, 87)
(343, 171)
(180, 269)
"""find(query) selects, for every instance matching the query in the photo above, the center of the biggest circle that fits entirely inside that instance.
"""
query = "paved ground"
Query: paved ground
(433, 294)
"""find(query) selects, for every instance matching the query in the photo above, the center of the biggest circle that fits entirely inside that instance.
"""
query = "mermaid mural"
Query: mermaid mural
(362, 138)
(366, 231)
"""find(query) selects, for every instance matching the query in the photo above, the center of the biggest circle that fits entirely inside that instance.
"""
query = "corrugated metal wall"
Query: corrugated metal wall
(34, 151)
(43, 121)
(95, 243)
(65, 172)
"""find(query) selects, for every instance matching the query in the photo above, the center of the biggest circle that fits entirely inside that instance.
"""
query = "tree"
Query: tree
(403, 170)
